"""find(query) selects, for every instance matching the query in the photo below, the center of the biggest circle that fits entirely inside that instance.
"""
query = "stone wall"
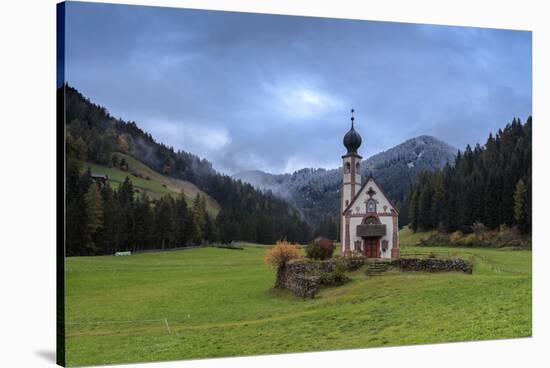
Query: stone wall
(434, 264)
(302, 276)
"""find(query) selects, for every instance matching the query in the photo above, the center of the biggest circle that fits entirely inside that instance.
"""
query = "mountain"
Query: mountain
(236, 211)
(423, 152)
(316, 192)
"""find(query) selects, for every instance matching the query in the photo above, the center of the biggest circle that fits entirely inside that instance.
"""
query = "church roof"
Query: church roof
(352, 139)
(361, 190)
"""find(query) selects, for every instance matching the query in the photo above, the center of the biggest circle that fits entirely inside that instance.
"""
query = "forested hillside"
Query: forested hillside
(101, 219)
(146, 180)
(489, 185)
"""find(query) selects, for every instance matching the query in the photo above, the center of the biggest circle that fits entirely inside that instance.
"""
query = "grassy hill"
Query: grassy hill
(211, 302)
(154, 184)
(408, 238)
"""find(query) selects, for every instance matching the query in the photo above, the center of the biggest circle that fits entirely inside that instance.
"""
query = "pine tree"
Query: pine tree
(198, 214)
(115, 161)
(165, 226)
(210, 230)
(143, 224)
(528, 204)
(77, 185)
(108, 238)
(437, 201)
(94, 214)
(182, 221)
(413, 210)
(520, 205)
(425, 204)
(81, 149)
(94, 209)
(125, 195)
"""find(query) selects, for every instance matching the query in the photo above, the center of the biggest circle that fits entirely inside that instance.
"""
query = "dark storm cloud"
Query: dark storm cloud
(274, 92)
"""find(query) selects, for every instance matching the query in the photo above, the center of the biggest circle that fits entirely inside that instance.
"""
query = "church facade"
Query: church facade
(369, 221)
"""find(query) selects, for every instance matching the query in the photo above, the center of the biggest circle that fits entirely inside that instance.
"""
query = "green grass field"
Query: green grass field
(156, 186)
(211, 302)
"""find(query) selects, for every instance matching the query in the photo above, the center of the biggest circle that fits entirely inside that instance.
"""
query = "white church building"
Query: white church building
(368, 218)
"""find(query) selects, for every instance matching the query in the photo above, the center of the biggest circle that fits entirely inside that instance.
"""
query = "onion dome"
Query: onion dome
(352, 139)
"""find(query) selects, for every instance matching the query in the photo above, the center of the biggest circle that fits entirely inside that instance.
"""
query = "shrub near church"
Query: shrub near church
(320, 248)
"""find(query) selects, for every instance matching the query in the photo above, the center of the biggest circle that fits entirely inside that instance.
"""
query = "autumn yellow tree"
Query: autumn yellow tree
(279, 255)
(122, 143)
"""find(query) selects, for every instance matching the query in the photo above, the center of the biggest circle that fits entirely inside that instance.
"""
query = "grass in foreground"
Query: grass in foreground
(213, 302)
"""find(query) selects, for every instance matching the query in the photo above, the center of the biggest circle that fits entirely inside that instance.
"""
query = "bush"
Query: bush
(334, 278)
(456, 237)
(435, 239)
(320, 248)
(470, 240)
(478, 228)
(281, 253)
(480, 236)
(352, 263)
(510, 237)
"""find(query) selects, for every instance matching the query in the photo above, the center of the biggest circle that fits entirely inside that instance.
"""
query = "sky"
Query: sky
(274, 93)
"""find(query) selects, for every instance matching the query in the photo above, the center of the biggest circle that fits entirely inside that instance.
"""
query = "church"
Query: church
(368, 218)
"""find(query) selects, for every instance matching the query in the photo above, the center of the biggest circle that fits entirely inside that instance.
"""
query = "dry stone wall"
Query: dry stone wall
(302, 276)
(434, 264)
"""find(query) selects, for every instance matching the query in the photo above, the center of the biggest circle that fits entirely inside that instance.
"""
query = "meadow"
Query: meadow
(213, 302)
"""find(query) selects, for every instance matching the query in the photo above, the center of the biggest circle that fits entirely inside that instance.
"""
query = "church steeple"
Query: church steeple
(351, 179)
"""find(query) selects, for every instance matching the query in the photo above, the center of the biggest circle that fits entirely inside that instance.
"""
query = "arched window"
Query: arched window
(372, 219)
(347, 168)
(357, 167)
(371, 205)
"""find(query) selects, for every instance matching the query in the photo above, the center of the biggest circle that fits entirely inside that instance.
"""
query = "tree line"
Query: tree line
(490, 185)
(103, 220)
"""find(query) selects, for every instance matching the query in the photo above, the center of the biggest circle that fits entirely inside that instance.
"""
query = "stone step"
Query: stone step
(377, 268)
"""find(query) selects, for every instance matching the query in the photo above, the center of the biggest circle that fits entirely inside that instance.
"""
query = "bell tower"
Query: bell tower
(351, 181)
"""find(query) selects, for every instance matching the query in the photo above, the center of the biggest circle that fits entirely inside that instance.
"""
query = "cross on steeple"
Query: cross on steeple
(352, 118)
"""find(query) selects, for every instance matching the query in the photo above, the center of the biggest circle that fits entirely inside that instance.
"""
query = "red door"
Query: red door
(371, 248)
